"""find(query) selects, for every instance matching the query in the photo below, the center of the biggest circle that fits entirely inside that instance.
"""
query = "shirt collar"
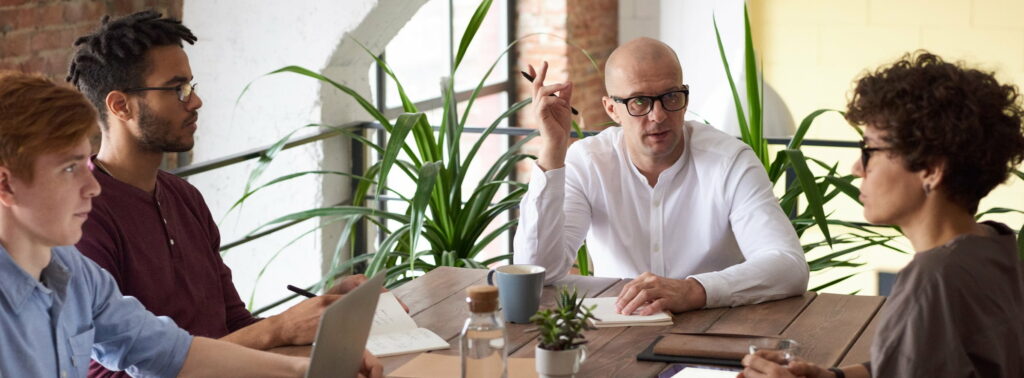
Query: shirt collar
(669, 172)
(112, 185)
(16, 284)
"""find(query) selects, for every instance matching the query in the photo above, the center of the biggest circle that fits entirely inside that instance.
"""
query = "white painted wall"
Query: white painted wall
(687, 26)
(240, 40)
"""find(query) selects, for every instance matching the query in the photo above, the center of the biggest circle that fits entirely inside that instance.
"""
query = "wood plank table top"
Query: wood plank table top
(830, 328)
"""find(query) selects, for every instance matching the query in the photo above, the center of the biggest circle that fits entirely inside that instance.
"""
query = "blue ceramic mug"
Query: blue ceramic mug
(519, 289)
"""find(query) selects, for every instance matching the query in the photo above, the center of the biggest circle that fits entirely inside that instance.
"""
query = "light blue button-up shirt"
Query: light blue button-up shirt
(53, 327)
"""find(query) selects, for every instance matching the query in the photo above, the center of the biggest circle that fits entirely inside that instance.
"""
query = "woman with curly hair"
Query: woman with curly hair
(937, 138)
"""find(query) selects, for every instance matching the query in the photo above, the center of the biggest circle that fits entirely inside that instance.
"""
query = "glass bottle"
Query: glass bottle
(483, 339)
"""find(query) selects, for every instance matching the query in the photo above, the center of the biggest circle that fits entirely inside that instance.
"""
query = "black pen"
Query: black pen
(300, 291)
(530, 78)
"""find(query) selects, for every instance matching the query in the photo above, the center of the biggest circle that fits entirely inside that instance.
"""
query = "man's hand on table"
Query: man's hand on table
(649, 294)
(349, 283)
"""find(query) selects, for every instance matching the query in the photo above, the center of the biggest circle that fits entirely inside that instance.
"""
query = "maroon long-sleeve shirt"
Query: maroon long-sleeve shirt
(162, 248)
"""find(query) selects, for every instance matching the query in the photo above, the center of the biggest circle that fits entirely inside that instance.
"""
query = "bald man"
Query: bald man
(684, 209)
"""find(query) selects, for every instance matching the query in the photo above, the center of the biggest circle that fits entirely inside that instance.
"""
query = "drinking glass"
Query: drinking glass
(787, 347)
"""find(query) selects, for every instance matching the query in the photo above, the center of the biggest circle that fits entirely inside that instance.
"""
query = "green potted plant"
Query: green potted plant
(560, 350)
(454, 221)
(815, 191)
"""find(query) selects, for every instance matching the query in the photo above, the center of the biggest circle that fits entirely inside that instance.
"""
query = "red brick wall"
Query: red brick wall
(591, 25)
(36, 36)
(594, 27)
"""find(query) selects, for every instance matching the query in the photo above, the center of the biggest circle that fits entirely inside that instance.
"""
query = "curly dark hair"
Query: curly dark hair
(112, 58)
(939, 112)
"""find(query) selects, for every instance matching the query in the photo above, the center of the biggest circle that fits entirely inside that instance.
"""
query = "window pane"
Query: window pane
(419, 53)
(490, 41)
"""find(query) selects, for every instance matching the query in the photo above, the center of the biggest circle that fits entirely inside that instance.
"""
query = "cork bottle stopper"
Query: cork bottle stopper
(482, 298)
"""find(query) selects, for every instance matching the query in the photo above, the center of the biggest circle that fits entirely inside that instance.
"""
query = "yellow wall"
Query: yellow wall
(812, 50)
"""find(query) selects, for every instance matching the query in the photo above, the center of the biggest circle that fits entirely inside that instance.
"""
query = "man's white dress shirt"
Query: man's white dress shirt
(711, 216)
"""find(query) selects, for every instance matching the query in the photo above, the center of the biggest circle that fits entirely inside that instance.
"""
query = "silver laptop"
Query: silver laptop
(344, 328)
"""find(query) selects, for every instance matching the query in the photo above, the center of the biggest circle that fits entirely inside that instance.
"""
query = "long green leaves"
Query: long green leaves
(815, 201)
(778, 166)
(428, 177)
(812, 191)
(471, 29)
(740, 117)
(366, 105)
(395, 144)
(435, 212)
(757, 140)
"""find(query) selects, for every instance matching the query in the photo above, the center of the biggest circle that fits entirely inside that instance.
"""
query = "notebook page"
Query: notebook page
(390, 316)
(416, 340)
(608, 314)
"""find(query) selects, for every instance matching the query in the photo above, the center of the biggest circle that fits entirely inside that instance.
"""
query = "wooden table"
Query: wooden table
(831, 329)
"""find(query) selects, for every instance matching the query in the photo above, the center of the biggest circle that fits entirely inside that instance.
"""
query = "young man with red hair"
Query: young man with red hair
(60, 309)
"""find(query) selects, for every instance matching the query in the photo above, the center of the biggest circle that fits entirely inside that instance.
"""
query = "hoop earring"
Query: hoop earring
(927, 189)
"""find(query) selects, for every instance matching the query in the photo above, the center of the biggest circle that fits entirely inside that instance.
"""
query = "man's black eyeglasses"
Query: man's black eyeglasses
(865, 153)
(185, 90)
(673, 101)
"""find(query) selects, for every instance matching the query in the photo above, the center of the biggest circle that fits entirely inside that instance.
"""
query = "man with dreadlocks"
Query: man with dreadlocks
(150, 229)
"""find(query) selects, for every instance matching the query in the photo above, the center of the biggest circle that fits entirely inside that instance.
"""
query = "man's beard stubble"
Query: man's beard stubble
(157, 133)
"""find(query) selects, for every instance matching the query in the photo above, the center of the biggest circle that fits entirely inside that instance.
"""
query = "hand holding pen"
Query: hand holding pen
(529, 77)
(358, 277)
(301, 291)
(555, 116)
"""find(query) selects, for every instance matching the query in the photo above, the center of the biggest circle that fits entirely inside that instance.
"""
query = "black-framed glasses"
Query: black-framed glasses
(865, 153)
(184, 90)
(673, 101)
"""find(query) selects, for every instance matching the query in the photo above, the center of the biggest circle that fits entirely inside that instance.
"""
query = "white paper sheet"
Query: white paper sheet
(610, 317)
(395, 332)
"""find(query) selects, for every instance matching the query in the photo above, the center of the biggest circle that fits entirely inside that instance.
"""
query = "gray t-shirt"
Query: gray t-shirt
(956, 311)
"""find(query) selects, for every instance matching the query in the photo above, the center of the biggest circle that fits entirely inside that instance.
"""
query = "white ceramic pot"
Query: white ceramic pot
(559, 363)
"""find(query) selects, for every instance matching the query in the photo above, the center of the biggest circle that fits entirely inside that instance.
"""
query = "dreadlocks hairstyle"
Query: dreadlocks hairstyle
(112, 58)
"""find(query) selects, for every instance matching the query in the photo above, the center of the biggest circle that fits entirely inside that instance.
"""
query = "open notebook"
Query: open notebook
(611, 318)
(394, 332)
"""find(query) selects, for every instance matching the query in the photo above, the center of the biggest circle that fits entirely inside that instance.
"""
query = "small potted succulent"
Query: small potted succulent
(560, 349)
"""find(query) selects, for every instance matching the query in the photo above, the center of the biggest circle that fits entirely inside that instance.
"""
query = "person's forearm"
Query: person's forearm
(552, 152)
(856, 371)
(215, 358)
(539, 239)
(261, 335)
(543, 233)
(763, 277)
(695, 295)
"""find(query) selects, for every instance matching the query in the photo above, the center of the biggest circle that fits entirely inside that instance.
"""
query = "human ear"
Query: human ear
(932, 175)
(609, 107)
(118, 106)
(6, 190)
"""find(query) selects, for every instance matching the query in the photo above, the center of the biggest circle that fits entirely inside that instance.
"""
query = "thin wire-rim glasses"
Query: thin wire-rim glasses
(184, 90)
